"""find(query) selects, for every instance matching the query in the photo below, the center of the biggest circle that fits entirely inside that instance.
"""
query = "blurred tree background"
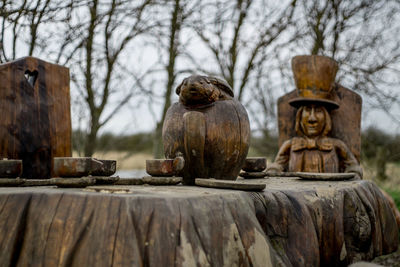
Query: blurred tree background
(127, 57)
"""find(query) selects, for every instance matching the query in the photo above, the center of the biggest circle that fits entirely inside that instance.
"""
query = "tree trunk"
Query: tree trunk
(90, 145)
(291, 223)
(158, 150)
(380, 161)
(91, 138)
(176, 23)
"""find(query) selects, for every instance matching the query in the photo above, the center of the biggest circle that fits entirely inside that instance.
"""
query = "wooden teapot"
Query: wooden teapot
(209, 128)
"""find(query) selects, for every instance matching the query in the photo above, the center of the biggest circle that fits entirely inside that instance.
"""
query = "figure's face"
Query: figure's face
(313, 120)
(197, 90)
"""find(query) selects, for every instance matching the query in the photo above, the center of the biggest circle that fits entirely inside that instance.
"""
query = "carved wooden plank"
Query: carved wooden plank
(35, 108)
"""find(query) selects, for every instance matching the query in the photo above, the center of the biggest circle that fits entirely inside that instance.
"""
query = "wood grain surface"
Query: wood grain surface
(213, 140)
(291, 223)
(346, 120)
(36, 120)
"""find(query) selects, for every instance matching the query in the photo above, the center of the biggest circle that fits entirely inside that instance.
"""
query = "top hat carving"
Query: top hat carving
(315, 78)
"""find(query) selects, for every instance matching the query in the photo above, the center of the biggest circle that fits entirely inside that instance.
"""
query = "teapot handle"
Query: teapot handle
(194, 140)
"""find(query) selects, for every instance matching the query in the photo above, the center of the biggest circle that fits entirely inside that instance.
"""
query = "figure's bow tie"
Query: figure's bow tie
(301, 143)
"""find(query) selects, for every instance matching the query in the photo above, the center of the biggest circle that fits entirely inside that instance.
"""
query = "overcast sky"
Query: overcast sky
(141, 114)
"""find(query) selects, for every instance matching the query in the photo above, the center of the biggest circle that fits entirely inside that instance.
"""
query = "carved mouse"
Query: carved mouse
(209, 128)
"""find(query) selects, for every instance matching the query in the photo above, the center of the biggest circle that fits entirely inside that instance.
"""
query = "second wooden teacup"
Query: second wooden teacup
(165, 167)
(255, 164)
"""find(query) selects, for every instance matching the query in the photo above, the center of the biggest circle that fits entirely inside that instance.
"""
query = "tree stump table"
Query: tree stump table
(291, 223)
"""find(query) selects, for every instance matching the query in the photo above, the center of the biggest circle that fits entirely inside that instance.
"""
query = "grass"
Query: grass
(395, 194)
(391, 185)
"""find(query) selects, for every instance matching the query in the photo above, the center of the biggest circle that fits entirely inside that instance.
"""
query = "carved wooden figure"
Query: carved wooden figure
(319, 124)
(36, 120)
(209, 128)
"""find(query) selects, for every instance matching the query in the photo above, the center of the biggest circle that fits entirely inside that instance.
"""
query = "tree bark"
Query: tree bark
(291, 223)
(175, 27)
